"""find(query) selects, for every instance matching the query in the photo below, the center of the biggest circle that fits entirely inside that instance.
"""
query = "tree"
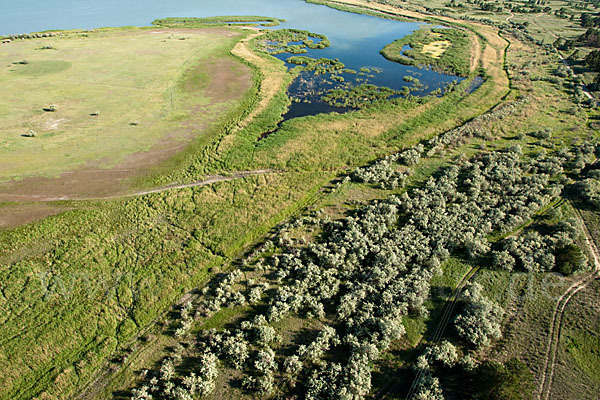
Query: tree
(235, 351)
(592, 61)
(589, 20)
(503, 260)
(444, 353)
(429, 388)
(591, 38)
(167, 370)
(141, 394)
(479, 323)
(265, 361)
(570, 259)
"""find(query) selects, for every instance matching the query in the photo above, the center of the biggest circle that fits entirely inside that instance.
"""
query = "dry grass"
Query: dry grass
(174, 90)
(273, 76)
(475, 51)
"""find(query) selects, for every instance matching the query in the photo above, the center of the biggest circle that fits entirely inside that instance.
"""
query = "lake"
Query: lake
(355, 39)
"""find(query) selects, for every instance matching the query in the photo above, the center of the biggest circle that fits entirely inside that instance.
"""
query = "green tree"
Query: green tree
(592, 61)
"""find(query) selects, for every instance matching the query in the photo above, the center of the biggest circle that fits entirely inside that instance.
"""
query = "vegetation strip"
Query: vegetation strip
(189, 22)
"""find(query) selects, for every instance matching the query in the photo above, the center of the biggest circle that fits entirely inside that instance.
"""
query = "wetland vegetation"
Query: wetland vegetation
(443, 49)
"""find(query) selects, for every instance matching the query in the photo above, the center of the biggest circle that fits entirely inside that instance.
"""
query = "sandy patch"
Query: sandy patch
(436, 49)
(53, 124)
(16, 215)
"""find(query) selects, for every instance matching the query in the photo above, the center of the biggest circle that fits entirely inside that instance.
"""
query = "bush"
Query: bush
(481, 319)
(570, 259)
(444, 353)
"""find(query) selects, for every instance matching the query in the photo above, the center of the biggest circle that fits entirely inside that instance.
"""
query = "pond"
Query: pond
(355, 39)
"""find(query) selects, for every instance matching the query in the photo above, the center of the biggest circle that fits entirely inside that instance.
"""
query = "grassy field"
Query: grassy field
(578, 367)
(107, 271)
(124, 99)
(112, 279)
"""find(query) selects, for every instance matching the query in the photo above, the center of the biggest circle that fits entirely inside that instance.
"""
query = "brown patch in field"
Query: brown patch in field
(53, 124)
(436, 49)
(219, 30)
(475, 51)
(230, 82)
(16, 215)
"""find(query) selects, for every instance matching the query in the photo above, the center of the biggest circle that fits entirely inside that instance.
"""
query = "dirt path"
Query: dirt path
(271, 82)
(272, 79)
(475, 51)
(209, 180)
(559, 311)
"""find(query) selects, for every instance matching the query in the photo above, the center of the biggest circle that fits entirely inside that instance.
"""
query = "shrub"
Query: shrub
(570, 259)
(204, 382)
(444, 353)
(481, 319)
(141, 394)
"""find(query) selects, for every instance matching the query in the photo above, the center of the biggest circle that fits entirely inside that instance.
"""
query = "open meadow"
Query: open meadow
(84, 114)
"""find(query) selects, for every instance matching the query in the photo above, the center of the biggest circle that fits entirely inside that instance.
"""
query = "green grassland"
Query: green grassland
(125, 76)
(189, 22)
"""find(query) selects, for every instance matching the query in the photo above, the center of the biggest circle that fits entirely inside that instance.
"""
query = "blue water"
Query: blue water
(355, 39)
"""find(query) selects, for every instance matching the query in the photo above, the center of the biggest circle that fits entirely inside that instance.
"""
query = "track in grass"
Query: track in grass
(559, 312)
(209, 180)
(439, 332)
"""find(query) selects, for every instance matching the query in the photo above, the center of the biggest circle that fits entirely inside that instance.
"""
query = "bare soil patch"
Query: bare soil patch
(21, 214)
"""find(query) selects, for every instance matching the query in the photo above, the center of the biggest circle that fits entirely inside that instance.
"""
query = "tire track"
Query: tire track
(446, 315)
(559, 311)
